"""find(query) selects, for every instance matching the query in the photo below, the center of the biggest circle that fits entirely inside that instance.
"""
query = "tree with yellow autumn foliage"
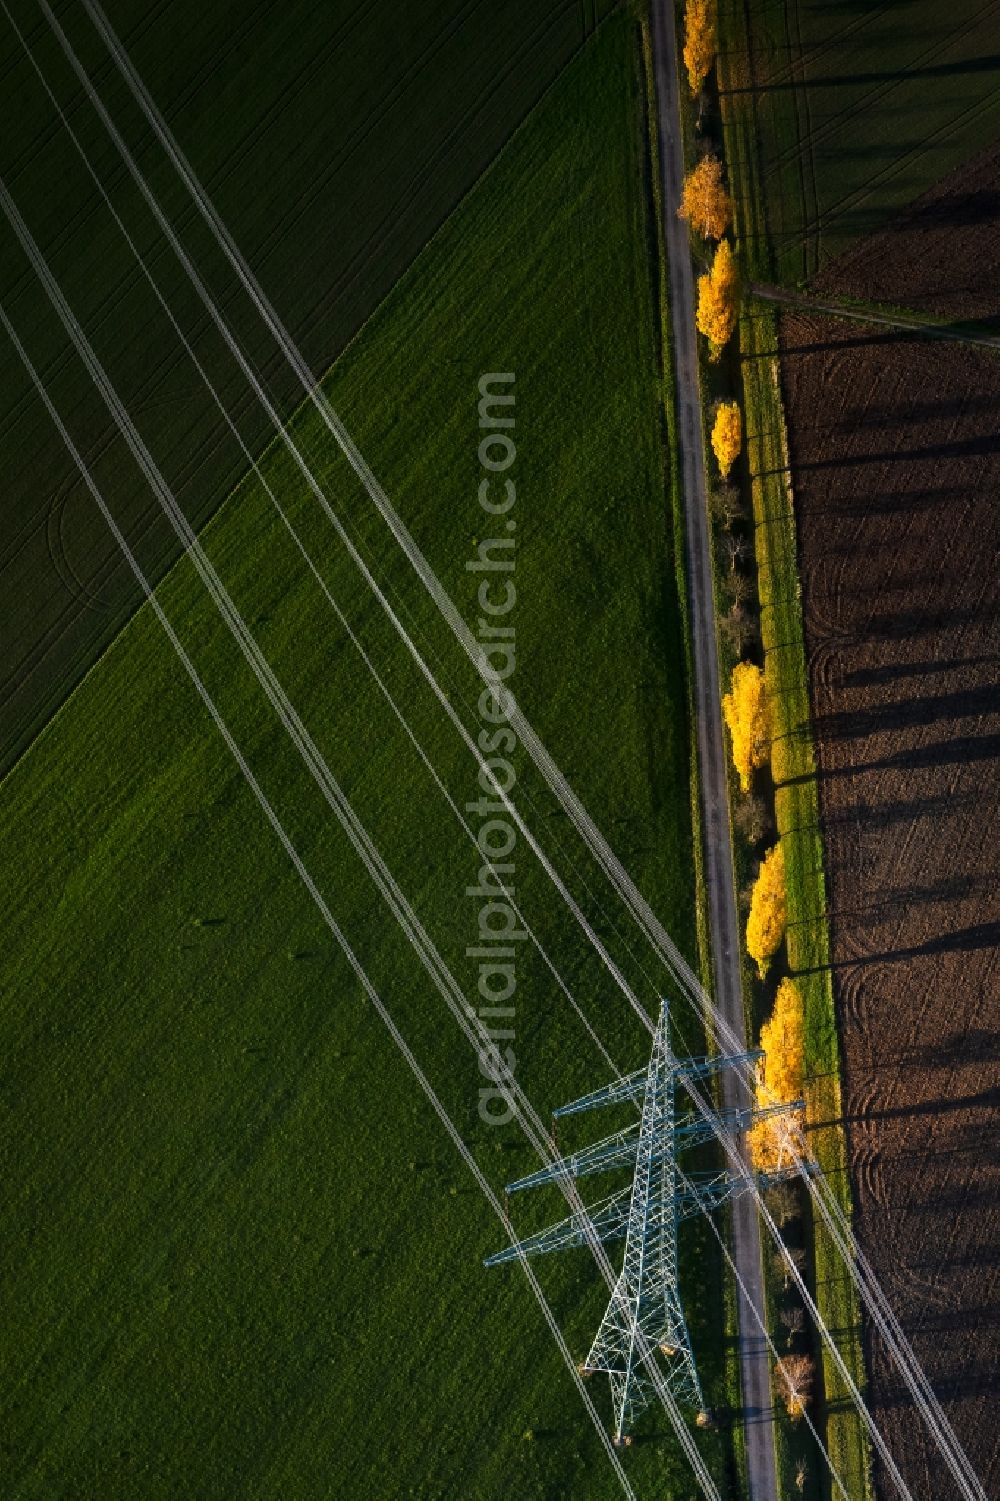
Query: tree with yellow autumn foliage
(780, 1077)
(744, 709)
(718, 300)
(699, 41)
(727, 435)
(768, 910)
(784, 1042)
(704, 202)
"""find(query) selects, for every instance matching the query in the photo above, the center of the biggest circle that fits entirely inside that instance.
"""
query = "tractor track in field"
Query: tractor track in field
(895, 453)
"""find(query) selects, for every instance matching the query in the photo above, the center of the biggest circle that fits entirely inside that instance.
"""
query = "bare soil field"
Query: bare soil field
(895, 452)
(858, 108)
(942, 256)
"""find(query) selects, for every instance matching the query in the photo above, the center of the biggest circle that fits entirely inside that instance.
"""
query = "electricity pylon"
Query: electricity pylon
(645, 1314)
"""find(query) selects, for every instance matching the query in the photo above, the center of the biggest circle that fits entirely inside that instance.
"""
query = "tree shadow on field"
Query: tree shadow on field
(956, 750)
(887, 338)
(855, 724)
(986, 445)
(894, 672)
(877, 151)
(987, 63)
(892, 502)
(948, 888)
(961, 940)
(975, 1045)
(876, 816)
(896, 625)
(982, 1099)
(963, 404)
(953, 1385)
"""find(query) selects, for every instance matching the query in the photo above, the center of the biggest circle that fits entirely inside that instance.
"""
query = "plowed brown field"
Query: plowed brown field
(895, 450)
(942, 256)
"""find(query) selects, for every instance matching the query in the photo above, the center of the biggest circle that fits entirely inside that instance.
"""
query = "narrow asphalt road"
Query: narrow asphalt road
(754, 1358)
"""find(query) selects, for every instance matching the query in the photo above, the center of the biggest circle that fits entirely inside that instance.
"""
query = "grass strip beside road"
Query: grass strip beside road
(798, 823)
(793, 756)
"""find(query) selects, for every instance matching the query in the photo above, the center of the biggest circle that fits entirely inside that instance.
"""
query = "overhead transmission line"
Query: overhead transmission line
(661, 941)
(364, 847)
(317, 897)
(642, 914)
(256, 469)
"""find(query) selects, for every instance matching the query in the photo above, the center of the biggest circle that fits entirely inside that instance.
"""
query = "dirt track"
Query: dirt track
(895, 446)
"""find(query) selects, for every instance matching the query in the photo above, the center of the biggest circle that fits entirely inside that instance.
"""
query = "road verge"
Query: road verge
(793, 758)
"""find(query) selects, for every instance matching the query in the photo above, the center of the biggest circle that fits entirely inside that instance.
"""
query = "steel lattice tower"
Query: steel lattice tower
(645, 1314)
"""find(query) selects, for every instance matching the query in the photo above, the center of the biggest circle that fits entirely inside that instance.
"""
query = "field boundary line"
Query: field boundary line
(869, 313)
(796, 792)
(297, 405)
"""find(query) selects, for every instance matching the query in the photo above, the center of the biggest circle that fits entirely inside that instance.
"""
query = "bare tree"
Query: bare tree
(738, 628)
(726, 504)
(753, 820)
(794, 1320)
(801, 1475)
(783, 1203)
(738, 587)
(737, 550)
(798, 1258)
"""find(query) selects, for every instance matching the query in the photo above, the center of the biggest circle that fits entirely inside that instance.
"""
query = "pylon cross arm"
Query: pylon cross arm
(614, 1151)
(631, 1087)
(702, 1068)
(620, 1148)
(608, 1220)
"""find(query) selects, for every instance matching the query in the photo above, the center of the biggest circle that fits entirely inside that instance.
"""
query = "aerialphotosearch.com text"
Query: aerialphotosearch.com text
(497, 930)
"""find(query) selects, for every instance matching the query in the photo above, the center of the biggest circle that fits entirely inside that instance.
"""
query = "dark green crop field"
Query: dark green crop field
(859, 108)
(242, 1257)
(334, 144)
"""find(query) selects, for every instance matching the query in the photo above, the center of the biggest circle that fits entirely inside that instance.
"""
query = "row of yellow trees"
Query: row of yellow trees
(707, 207)
(705, 202)
(781, 1076)
(746, 713)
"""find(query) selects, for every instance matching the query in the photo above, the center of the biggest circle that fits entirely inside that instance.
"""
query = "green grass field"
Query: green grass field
(334, 144)
(242, 1258)
(857, 110)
